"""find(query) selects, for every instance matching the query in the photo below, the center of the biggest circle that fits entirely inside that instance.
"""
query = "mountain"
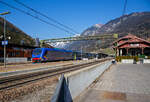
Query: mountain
(63, 45)
(92, 30)
(60, 44)
(17, 36)
(135, 23)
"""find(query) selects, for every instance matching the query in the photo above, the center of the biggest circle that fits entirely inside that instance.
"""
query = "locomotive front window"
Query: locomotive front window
(37, 51)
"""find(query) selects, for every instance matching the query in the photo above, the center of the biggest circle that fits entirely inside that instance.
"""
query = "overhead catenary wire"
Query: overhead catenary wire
(124, 8)
(124, 11)
(35, 17)
(51, 19)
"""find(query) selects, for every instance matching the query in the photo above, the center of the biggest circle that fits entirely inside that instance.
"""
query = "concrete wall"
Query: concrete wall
(15, 60)
(127, 61)
(80, 80)
(146, 61)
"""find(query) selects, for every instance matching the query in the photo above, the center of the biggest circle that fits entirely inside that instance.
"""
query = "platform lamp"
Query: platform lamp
(4, 42)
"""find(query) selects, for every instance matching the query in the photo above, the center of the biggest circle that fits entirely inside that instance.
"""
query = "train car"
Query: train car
(51, 54)
(102, 55)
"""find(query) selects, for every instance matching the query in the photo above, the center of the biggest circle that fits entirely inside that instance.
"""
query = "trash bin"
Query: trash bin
(113, 61)
(141, 61)
(134, 61)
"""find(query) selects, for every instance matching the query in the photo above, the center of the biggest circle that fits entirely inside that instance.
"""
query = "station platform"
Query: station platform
(121, 83)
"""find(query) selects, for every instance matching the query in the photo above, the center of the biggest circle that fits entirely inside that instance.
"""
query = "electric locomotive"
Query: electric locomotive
(52, 54)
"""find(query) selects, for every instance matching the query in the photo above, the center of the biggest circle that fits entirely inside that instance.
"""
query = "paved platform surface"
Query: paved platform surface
(121, 83)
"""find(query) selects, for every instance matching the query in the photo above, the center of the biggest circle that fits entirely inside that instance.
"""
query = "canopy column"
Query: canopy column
(127, 50)
(142, 50)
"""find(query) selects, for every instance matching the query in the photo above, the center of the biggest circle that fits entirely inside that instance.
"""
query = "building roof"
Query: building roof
(131, 39)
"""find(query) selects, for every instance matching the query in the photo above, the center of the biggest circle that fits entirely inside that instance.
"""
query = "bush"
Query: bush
(119, 58)
(141, 56)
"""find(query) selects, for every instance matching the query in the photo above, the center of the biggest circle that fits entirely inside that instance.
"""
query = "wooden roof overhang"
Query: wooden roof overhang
(128, 45)
(133, 40)
(131, 37)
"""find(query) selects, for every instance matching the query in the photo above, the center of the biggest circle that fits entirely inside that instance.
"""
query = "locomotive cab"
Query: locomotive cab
(37, 55)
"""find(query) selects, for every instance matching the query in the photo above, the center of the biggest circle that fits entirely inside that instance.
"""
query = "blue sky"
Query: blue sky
(77, 14)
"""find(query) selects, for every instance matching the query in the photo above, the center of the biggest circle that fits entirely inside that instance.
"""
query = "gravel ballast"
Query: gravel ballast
(40, 91)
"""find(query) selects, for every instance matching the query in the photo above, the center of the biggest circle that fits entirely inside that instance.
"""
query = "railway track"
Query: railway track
(25, 78)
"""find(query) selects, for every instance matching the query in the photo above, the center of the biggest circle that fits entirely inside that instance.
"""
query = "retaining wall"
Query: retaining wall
(146, 61)
(78, 81)
(127, 61)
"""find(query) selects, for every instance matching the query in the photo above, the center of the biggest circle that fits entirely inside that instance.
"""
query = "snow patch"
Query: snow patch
(63, 44)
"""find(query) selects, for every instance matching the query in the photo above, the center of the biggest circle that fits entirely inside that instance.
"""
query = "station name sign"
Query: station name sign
(5, 42)
(134, 44)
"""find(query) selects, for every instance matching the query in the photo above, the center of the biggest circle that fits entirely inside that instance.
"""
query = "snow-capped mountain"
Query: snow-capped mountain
(63, 45)
(92, 30)
(59, 44)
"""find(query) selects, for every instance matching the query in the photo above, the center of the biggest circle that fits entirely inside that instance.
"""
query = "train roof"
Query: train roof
(55, 49)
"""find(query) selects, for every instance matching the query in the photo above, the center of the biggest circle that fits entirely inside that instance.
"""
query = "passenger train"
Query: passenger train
(55, 54)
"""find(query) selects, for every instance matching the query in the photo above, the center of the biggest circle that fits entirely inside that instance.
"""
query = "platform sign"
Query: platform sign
(5, 42)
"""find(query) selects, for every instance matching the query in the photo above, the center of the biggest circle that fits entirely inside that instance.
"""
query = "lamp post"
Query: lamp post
(81, 52)
(5, 13)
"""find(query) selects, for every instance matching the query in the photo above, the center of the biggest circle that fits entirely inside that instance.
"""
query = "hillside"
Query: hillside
(92, 30)
(17, 36)
(134, 23)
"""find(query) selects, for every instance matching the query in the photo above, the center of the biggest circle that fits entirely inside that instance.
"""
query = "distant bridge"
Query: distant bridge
(81, 38)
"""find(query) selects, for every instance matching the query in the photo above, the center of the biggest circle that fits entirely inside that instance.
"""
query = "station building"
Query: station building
(131, 45)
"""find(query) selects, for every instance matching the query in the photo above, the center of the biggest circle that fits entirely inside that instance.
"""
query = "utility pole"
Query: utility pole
(4, 41)
(5, 13)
